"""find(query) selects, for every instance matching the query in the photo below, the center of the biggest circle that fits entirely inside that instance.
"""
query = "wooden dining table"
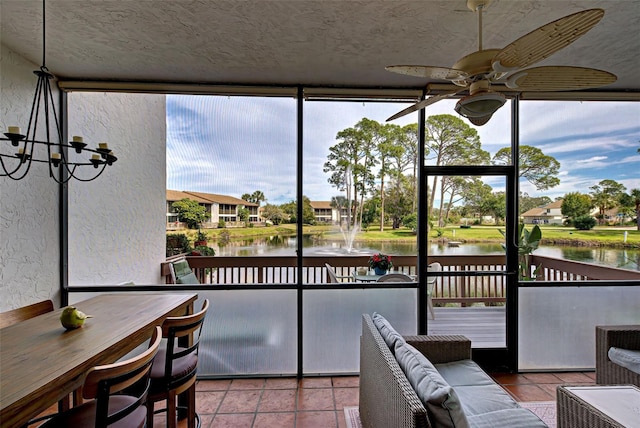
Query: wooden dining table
(41, 362)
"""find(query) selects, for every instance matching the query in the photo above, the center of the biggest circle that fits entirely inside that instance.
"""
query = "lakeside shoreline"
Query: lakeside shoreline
(603, 237)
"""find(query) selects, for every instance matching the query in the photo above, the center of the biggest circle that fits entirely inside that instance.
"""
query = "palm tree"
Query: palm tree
(635, 194)
(257, 197)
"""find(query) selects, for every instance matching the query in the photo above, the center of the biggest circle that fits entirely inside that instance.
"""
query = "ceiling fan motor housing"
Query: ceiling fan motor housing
(481, 102)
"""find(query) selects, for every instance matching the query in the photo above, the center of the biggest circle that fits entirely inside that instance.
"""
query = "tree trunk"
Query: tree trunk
(382, 204)
(433, 195)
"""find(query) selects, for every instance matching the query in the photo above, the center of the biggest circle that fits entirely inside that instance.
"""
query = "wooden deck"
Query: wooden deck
(485, 326)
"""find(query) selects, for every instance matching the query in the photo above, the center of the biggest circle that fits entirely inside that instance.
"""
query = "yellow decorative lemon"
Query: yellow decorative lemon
(72, 318)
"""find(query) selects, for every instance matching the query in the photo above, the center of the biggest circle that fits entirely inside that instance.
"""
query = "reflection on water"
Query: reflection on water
(312, 246)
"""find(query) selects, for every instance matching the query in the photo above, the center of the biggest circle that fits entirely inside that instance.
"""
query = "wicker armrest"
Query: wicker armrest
(620, 336)
(442, 349)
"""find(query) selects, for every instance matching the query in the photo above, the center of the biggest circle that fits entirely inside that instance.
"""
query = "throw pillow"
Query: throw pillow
(389, 334)
(439, 398)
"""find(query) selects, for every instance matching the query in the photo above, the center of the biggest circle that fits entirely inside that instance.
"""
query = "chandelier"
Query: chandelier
(21, 150)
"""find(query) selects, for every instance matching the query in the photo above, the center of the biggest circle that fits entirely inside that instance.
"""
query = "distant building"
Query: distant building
(325, 213)
(221, 207)
(322, 211)
(548, 214)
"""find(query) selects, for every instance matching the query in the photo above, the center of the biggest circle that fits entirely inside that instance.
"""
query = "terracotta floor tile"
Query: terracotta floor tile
(233, 421)
(315, 399)
(510, 378)
(346, 397)
(342, 421)
(592, 375)
(213, 385)
(529, 393)
(574, 378)
(542, 378)
(205, 422)
(240, 401)
(316, 382)
(278, 400)
(550, 388)
(273, 420)
(208, 402)
(346, 381)
(247, 384)
(316, 420)
(281, 383)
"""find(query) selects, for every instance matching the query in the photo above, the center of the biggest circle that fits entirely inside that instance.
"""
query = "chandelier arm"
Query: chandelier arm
(85, 180)
(13, 174)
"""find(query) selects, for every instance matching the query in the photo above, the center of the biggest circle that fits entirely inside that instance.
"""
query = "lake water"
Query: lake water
(286, 246)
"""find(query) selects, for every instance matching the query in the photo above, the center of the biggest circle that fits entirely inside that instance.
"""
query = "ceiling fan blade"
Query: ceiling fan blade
(422, 104)
(429, 72)
(546, 40)
(559, 78)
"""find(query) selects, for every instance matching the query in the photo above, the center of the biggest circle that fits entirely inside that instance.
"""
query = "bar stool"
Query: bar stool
(104, 383)
(174, 370)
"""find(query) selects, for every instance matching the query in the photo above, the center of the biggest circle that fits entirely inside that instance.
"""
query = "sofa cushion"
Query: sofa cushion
(439, 398)
(463, 372)
(627, 358)
(389, 334)
(478, 399)
(512, 418)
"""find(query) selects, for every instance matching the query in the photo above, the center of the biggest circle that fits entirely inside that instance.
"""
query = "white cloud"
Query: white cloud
(592, 159)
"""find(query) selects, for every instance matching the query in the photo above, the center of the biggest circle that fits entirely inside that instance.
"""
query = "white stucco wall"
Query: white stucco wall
(29, 235)
(117, 222)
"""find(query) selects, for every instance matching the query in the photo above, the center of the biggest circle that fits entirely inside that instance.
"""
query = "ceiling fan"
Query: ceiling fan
(486, 72)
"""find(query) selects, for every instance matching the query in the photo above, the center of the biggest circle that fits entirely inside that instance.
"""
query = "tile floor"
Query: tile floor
(319, 402)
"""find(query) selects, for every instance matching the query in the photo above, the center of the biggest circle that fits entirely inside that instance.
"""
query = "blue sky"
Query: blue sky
(235, 145)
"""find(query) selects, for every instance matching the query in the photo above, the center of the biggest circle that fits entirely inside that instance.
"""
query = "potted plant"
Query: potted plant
(380, 263)
(528, 242)
(201, 239)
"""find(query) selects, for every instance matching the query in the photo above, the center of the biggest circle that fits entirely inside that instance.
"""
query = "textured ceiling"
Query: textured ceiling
(309, 42)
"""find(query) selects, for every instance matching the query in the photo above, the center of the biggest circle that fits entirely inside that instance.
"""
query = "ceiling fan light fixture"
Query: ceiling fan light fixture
(480, 105)
(479, 121)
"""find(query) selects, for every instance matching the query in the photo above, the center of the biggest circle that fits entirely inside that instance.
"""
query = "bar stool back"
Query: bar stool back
(174, 370)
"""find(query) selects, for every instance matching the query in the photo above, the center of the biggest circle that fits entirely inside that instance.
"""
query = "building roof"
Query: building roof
(177, 195)
(554, 204)
(542, 211)
(321, 205)
(221, 199)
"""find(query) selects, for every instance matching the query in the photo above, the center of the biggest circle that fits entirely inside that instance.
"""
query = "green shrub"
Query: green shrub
(221, 224)
(585, 222)
(177, 243)
(205, 250)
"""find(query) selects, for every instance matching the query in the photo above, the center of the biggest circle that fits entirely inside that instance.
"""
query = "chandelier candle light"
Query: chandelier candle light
(57, 152)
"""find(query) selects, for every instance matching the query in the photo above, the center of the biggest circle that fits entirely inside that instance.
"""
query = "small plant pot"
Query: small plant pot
(200, 244)
(380, 271)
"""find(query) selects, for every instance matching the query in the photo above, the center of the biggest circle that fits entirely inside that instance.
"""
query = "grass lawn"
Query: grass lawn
(601, 235)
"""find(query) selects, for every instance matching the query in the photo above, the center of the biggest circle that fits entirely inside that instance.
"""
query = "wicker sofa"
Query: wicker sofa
(388, 399)
(617, 336)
